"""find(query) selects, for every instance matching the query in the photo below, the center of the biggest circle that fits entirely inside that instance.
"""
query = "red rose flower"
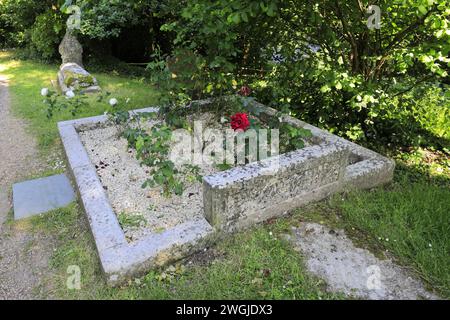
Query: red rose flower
(245, 91)
(240, 122)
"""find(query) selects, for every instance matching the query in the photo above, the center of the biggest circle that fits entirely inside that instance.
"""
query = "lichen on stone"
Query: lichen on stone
(72, 79)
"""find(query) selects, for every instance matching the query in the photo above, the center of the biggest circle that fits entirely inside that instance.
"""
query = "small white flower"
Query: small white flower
(44, 92)
(280, 119)
(430, 245)
(223, 120)
(70, 94)
(270, 233)
(128, 100)
(113, 102)
(387, 239)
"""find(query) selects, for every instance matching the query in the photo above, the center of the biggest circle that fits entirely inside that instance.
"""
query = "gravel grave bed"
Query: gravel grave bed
(143, 211)
(122, 177)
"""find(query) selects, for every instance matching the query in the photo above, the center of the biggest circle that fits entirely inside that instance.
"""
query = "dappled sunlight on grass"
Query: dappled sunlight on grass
(7, 66)
(26, 78)
(412, 213)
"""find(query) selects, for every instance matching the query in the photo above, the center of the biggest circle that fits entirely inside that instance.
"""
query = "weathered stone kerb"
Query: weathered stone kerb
(233, 200)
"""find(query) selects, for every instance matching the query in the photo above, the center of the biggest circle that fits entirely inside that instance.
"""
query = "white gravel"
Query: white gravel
(122, 176)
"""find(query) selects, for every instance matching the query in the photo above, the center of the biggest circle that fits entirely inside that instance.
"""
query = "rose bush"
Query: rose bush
(240, 122)
(245, 91)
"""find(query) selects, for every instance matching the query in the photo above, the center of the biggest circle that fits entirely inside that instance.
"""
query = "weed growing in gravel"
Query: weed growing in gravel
(131, 221)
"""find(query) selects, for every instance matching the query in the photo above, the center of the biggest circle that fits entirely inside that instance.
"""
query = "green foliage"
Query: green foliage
(56, 102)
(8, 37)
(105, 19)
(209, 34)
(101, 20)
(34, 24)
(152, 149)
(317, 58)
(114, 66)
(44, 39)
(292, 138)
(331, 69)
(418, 117)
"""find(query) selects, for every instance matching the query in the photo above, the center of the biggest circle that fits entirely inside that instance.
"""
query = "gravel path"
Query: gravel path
(24, 254)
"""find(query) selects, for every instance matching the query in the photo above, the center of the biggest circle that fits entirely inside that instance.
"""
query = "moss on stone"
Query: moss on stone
(72, 78)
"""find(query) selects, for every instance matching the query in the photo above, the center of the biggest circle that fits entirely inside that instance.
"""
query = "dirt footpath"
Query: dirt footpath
(24, 255)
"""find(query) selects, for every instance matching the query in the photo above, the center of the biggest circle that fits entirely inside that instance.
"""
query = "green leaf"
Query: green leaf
(422, 9)
(178, 189)
(140, 143)
(186, 14)
(234, 17)
(325, 88)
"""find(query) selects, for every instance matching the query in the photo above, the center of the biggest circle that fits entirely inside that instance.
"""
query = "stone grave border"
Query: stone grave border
(121, 260)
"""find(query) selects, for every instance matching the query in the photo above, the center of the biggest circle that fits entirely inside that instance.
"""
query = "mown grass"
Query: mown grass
(405, 221)
(412, 213)
(408, 220)
(412, 221)
(253, 265)
(27, 78)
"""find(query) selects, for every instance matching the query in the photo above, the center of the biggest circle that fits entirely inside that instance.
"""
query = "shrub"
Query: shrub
(46, 39)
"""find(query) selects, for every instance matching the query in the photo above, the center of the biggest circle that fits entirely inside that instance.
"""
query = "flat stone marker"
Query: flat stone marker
(41, 195)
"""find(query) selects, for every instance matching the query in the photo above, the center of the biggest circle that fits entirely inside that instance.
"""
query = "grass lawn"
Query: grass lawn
(253, 265)
(27, 78)
(409, 219)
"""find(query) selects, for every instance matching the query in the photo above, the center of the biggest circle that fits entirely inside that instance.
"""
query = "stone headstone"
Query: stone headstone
(41, 195)
(71, 50)
(71, 76)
